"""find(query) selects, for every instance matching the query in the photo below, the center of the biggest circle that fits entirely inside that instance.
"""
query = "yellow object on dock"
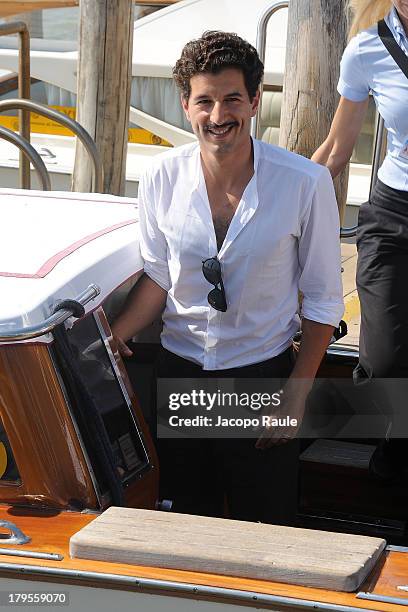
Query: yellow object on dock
(42, 125)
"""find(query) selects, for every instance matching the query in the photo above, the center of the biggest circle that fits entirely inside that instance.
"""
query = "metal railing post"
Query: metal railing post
(24, 80)
(261, 47)
(67, 122)
(30, 154)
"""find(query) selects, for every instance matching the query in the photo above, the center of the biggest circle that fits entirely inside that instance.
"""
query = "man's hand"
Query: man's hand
(315, 340)
(292, 405)
(122, 347)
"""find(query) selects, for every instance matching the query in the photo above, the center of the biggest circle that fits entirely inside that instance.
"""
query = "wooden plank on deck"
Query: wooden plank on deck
(233, 548)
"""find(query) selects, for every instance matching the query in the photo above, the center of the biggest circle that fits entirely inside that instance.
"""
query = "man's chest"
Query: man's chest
(223, 209)
(194, 221)
(194, 230)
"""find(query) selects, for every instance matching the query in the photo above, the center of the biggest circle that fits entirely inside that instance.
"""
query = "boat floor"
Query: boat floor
(50, 532)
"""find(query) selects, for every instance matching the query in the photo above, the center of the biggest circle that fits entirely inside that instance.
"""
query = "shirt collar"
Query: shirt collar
(197, 168)
(256, 152)
(198, 174)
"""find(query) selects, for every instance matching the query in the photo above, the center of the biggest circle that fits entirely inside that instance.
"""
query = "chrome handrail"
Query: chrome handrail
(67, 122)
(30, 153)
(34, 331)
(350, 232)
(24, 84)
(260, 47)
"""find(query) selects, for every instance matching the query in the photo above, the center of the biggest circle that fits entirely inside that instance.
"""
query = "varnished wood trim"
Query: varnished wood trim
(51, 531)
(39, 427)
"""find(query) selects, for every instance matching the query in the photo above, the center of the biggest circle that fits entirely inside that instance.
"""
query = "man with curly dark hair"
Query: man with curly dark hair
(231, 230)
(212, 53)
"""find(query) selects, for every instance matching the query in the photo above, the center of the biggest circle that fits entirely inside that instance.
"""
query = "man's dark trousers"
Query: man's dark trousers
(229, 477)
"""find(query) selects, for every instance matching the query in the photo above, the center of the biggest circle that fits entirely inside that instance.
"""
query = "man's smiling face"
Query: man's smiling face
(220, 111)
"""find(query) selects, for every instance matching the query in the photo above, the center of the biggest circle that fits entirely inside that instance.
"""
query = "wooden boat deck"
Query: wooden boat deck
(50, 531)
(352, 304)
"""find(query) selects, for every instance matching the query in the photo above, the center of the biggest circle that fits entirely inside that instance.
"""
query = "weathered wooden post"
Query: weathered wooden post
(317, 35)
(104, 81)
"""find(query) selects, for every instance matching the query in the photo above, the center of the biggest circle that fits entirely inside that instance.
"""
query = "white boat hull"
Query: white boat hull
(96, 599)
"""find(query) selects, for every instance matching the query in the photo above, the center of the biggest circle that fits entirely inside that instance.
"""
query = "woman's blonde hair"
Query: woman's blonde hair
(366, 13)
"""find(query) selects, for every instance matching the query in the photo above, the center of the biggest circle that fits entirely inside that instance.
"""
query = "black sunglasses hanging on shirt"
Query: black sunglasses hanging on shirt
(212, 273)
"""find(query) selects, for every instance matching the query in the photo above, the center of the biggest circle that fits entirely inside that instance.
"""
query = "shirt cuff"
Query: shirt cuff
(159, 273)
(351, 94)
(328, 313)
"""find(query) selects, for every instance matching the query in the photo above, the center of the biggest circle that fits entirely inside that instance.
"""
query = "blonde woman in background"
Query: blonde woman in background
(382, 237)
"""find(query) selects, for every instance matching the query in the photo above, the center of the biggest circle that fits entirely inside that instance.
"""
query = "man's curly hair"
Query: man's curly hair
(214, 52)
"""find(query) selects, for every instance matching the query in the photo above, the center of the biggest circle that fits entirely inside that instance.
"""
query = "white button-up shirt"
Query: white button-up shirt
(284, 237)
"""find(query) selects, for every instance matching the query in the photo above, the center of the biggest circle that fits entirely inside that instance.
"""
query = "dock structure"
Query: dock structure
(33, 21)
(351, 301)
(317, 35)
(12, 7)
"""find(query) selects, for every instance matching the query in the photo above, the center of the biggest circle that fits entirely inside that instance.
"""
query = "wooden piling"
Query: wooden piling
(317, 36)
(104, 81)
